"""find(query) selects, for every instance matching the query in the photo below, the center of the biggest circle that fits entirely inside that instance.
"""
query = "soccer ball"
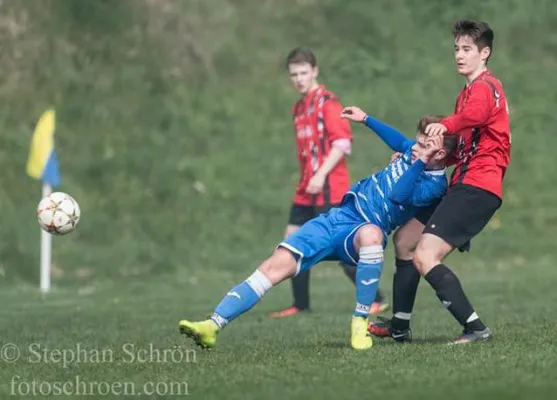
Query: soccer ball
(58, 213)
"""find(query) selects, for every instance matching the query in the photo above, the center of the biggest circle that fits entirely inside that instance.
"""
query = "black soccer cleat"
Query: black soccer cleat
(383, 328)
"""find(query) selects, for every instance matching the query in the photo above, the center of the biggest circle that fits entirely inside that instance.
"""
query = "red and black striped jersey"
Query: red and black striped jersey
(318, 124)
(481, 119)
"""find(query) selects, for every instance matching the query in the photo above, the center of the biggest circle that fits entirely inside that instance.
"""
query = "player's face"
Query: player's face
(419, 146)
(303, 77)
(469, 59)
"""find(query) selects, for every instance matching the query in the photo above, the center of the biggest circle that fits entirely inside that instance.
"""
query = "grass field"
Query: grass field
(156, 102)
(307, 357)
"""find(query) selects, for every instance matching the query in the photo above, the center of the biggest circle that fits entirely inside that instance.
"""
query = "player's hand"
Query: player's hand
(355, 114)
(315, 184)
(435, 129)
(395, 156)
(432, 145)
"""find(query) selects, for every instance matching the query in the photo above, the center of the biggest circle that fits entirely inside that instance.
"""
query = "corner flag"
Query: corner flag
(43, 165)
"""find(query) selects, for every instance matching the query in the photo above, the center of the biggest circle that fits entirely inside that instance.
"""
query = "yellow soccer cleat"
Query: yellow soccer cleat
(204, 333)
(360, 338)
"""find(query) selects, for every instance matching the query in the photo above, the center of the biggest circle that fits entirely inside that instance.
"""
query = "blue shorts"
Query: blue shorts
(328, 237)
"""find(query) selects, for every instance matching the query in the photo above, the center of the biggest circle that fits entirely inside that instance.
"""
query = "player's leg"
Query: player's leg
(299, 252)
(299, 215)
(242, 297)
(380, 303)
(405, 285)
(446, 230)
(368, 243)
(406, 278)
(300, 283)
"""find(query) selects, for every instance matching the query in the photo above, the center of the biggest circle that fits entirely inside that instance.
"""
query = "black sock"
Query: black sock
(350, 272)
(405, 287)
(450, 292)
(300, 290)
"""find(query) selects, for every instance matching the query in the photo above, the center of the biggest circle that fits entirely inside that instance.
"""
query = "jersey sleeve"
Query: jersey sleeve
(477, 110)
(392, 138)
(429, 190)
(416, 189)
(403, 189)
(337, 127)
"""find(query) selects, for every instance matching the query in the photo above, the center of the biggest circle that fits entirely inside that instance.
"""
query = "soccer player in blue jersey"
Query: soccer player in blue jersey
(354, 233)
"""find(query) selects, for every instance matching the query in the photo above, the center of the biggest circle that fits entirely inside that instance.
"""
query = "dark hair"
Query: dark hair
(301, 55)
(449, 141)
(480, 32)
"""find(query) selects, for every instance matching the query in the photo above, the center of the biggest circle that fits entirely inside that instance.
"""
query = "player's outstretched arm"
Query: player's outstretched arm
(393, 138)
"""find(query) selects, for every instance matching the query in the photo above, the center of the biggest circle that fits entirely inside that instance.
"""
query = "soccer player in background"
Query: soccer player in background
(355, 233)
(481, 120)
(323, 141)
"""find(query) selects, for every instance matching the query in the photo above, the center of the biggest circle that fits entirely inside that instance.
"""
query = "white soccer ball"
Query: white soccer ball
(58, 213)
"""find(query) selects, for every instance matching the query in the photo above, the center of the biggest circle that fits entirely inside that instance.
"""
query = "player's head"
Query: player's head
(449, 142)
(302, 69)
(473, 45)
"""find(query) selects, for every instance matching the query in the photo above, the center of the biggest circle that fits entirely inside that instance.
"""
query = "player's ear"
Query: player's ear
(485, 53)
(440, 155)
(315, 72)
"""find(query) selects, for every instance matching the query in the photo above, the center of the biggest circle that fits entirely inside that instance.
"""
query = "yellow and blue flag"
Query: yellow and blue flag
(42, 163)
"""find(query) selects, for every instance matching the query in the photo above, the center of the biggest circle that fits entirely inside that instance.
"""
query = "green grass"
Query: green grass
(297, 358)
(156, 100)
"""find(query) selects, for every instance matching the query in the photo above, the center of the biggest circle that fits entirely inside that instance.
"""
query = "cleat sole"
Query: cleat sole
(184, 330)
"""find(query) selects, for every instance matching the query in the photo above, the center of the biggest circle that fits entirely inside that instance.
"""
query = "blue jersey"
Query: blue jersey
(387, 199)
(375, 198)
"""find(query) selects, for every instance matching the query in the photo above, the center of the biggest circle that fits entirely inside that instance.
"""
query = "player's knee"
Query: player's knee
(424, 258)
(404, 244)
(368, 235)
(406, 238)
(280, 266)
(431, 251)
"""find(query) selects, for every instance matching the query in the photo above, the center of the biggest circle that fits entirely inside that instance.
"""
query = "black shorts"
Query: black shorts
(425, 213)
(299, 214)
(461, 214)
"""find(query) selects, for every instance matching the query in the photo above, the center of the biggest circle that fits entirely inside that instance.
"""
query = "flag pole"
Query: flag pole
(46, 250)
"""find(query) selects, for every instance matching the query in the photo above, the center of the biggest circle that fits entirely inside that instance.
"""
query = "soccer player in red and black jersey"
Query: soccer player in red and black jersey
(481, 119)
(323, 140)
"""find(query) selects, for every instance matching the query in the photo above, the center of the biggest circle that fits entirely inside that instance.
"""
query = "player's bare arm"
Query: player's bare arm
(316, 183)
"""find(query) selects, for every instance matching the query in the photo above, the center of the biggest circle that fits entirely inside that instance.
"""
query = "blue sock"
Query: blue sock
(368, 274)
(241, 298)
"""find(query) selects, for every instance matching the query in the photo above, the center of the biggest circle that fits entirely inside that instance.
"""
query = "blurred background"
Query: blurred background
(174, 134)
(174, 130)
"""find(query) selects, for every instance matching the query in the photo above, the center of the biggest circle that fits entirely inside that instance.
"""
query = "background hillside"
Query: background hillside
(173, 119)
